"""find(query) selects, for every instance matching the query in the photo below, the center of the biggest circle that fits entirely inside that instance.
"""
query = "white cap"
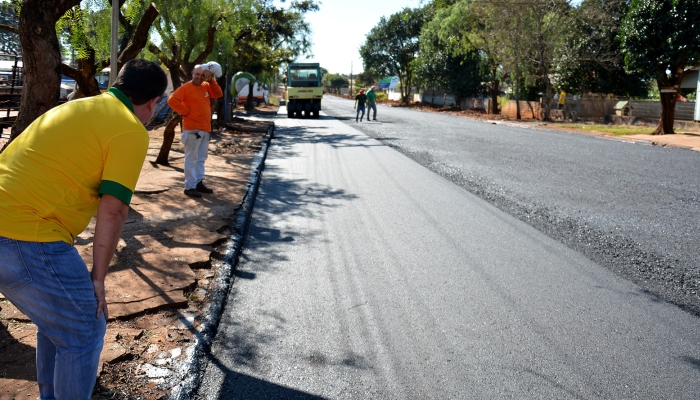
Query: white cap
(213, 67)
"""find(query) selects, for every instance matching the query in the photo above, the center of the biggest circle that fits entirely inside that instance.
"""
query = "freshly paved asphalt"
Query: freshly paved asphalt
(632, 208)
(366, 275)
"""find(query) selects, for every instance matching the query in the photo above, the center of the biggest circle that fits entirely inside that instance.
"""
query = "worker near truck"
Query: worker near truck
(79, 158)
(371, 103)
(193, 101)
(360, 101)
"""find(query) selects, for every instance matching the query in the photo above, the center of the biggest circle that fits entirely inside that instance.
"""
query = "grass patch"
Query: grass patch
(615, 130)
(382, 96)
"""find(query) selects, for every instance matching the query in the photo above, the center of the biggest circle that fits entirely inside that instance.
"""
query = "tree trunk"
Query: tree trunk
(668, 114)
(494, 90)
(168, 137)
(517, 94)
(409, 84)
(180, 71)
(221, 117)
(131, 45)
(249, 99)
(544, 72)
(41, 60)
(402, 82)
(140, 38)
(87, 84)
(668, 101)
(547, 99)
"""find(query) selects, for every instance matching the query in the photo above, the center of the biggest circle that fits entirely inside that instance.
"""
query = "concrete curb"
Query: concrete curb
(186, 377)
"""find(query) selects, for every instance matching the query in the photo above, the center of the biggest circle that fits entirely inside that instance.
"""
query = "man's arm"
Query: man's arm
(175, 102)
(111, 215)
(215, 89)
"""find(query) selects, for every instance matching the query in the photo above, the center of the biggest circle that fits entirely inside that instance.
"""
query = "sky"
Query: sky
(340, 26)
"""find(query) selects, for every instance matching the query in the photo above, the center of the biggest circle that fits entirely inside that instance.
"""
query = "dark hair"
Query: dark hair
(141, 80)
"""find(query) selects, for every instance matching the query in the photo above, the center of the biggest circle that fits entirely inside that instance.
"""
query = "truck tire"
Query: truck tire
(290, 113)
(315, 114)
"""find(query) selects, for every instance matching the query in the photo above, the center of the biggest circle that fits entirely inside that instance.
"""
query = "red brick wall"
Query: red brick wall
(528, 109)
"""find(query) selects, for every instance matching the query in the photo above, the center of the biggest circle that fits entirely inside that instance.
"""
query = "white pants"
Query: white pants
(196, 152)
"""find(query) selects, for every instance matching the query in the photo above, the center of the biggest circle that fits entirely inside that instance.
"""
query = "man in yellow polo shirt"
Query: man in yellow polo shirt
(77, 159)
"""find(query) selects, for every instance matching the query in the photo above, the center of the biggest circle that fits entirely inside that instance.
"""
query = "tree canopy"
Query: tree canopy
(334, 82)
(86, 30)
(593, 60)
(254, 34)
(278, 36)
(9, 39)
(660, 38)
(392, 45)
(471, 26)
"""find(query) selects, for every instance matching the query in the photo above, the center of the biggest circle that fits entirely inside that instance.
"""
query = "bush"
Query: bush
(382, 96)
(503, 101)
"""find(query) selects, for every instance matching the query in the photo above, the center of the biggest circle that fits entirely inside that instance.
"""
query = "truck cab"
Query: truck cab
(304, 92)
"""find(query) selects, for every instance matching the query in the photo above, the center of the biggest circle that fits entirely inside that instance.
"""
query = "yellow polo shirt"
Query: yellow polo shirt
(53, 174)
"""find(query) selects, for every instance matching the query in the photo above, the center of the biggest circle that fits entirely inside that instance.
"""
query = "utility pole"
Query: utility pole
(351, 86)
(114, 42)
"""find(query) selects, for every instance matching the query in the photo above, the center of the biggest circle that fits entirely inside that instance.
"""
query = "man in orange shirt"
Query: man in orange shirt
(193, 101)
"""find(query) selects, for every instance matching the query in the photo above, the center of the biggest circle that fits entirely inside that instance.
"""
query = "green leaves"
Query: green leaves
(661, 35)
(9, 41)
(393, 43)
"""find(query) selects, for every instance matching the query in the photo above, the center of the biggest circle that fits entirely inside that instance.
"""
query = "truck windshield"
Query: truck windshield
(304, 73)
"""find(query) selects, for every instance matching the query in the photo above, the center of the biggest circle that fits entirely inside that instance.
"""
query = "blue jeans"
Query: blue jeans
(196, 153)
(50, 283)
(370, 107)
(360, 108)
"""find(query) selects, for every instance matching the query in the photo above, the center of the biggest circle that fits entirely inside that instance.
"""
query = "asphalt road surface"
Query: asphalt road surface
(632, 208)
(366, 275)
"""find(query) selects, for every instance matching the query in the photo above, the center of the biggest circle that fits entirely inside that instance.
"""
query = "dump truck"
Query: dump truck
(304, 91)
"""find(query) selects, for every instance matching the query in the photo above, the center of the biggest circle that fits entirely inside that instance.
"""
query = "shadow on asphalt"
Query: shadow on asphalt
(281, 198)
(287, 137)
(241, 386)
(692, 361)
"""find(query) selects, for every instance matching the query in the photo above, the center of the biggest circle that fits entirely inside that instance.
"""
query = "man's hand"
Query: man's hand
(101, 298)
(111, 214)
(208, 76)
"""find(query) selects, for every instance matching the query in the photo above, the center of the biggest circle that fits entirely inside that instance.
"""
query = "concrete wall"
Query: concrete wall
(436, 97)
(474, 103)
(652, 109)
(600, 108)
(394, 96)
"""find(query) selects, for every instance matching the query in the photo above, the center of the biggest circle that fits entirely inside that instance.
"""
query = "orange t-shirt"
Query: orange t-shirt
(193, 103)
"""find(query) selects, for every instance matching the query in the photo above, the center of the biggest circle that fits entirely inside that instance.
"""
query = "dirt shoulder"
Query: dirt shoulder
(161, 277)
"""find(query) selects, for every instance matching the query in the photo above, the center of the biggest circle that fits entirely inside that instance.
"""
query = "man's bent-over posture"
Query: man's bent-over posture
(79, 158)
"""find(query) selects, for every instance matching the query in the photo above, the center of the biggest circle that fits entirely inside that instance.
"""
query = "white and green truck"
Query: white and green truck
(304, 91)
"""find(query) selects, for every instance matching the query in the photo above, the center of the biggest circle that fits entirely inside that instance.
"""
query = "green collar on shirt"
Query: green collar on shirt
(122, 97)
